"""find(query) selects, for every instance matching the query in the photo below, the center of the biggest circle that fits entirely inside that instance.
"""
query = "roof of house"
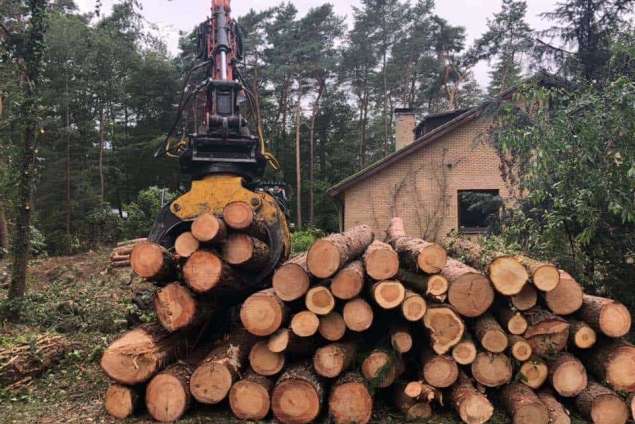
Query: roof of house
(427, 138)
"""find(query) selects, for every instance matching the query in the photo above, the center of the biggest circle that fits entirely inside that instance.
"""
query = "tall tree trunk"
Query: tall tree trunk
(101, 153)
(67, 176)
(32, 58)
(363, 123)
(385, 112)
(4, 236)
(314, 115)
(298, 165)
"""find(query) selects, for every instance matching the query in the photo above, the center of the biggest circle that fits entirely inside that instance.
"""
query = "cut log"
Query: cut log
(250, 398)
(533, 372)
(388, 294)
(333, 359)
(601, 405)
(567, 375)
(519, 348)
(131, 242)
(547, 334)
(185, 245)
(523, 405)
(416, 254)
(120, 264)
(177, 308)
(472, 406)
(220, 369)
(121, 401)
(243, 251)
(464, 352)
(526, 299)
(446, 327)
(304, 324)
(152, 262)
(279, 341)
(263, 313)
(319, 300)
(440, 371)
(358, 315)
(140, 353)
(205, 272)
(566, 298)
(400, 339)
(434, 286)
(381, 261)
(581, 335)
(557, 413)
(490, 334)
(382, 368)
(265, 362)
(291, 281)
(614, 363)
(350, 400)
(330, 254)
(607, 316)
(492, 369)
(240, 216)
(207, 228)
(332, 327)
(297, 395)
(508, 275)
(349, 281)
(284, 340)
(413, 307)
(470, 292)
(412, 409)
(512, 321)
(545, 276)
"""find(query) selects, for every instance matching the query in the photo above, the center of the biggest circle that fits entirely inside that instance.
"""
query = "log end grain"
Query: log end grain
(508, 275)
(175, 306)
(238, 215)
(305, 324)
(401, 340)
(520, 349)
(526, 299)
(464, 353)
(147, 259)
(471, 294)
(413, 307)
(620, 368)
(380, 368)
(331, 360)
(290, 282)
(517, 324)
(440, 371)
(120, 401)
(207, 228)
(381, 261)
(279, 341)
(319, 300)
(238, 249)
(186, 244)
(295, 401)
(350, 402)
(332, 327)
(437, 285)
(202, 271)
(211, 381)
(167, 399)
(349, 281)
(262, 313)
(568, 375)
(358, 315)
(249, 400)
(533, 373)
(546, 277)
(323, 259)
(492, 369)
(615, 320)
(389, 294)
(601, 405)
(566, 298)
(446, 328)
(265, 362)
(432, 258)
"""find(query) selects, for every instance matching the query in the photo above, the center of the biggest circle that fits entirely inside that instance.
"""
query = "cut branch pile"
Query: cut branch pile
(354, 317)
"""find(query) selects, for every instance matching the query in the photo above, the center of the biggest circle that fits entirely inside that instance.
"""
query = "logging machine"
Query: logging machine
(222, 157)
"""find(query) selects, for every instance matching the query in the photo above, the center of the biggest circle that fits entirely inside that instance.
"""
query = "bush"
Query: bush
(302, 240)
(144, 210)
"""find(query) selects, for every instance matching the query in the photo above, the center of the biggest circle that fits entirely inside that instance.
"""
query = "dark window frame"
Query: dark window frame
(472, 229)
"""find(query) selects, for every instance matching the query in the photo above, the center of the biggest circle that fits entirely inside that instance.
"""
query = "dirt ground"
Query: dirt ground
(81, 300)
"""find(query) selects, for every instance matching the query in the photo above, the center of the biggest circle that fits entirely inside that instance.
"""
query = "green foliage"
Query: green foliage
(143, 211)
(302, 240)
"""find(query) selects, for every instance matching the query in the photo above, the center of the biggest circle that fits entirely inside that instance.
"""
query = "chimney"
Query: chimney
(405, 124)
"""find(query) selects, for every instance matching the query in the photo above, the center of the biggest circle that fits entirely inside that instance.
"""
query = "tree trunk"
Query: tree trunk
(614, 363)
(314, 115)
(265, 362)
(332, 327)
(350, 400)
(333, 359)
(470, 292)
(305, 324)
(566, 298)
(291, 280)
(464, 352)
(297, 396)
(601, 405)
(567, 375)
(298, 167)
(523, 405)
(263, 313)
(349, 281)
(102, 142)
(246, 252)
(152, 262)
(440, 371)
(414, 306)
(330, 254)
(490, 335)
(121, 401)
(177, 308)
(581, 335)
(533, 372)
(388, 294)
(472, 406)
(207, 228)
(557, 413)
(606, 316)
(382, 368)
(319, 300)
(545, 276)
(547, 333)
(381, 261)
(526, 299)
(4, 232)
(519, 348)
(204, 272)
(446, 327)
(250, 398)
(358, 315)
(416, 254)
(492, 369)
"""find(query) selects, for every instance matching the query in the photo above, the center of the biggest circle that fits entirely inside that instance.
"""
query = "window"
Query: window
(478, 210)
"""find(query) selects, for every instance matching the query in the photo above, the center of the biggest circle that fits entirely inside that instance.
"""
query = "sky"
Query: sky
(172, 16)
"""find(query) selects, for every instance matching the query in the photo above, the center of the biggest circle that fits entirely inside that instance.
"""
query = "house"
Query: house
(440, 169)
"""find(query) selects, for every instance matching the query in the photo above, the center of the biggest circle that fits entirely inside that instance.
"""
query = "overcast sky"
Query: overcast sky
(173, 16)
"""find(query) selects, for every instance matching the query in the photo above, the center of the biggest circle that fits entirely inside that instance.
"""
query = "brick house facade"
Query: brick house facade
(425, 180)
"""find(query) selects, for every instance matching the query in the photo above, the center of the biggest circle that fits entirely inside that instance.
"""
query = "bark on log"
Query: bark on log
(185, 245)
(440, 371)
(464, 352)
(601, 405)
(401, 339)
(349, 281)
(414, 306)
(140, 353)
(614, 363)
(472, 406)
(265, 362)
(547, 334)
(545, 276)
(120, 264)
(358, 315)
(567, 375)
(512, 321)
(330, 254)
(388, 294)
(446, 327)
(131, 242)
(350, 400)
(523, 405)
(607, 316)
(412, 409)
(121, 401)
(243, 251)
(297, 396)
(250, 398)
(492, 369)
(263, 313)
(152, 262)
(382, 368)
(205, 272)
(332, 327)
(526, 299)
(207, 228)
(581, 335)
(220, 369)
(533, 372)
(557, 413)
(333, 359)
(291, 281)
(566, 298)
(490, 334)
(305, 324)
(177, 308)
(416, 254)
(519, 348)
(319, 300)
(381, 262)
(470, 292)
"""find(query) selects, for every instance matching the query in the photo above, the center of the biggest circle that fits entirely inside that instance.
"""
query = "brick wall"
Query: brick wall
(422, 188)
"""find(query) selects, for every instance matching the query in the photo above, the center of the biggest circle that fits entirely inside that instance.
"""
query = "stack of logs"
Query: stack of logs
(356, 319)
(120, 256)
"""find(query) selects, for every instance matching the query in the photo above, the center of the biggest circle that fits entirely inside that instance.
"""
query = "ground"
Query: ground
(81, 300)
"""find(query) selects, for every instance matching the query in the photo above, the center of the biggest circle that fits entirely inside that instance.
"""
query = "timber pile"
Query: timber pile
(356, 319)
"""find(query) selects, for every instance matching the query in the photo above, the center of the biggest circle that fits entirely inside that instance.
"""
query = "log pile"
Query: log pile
(355, 318)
